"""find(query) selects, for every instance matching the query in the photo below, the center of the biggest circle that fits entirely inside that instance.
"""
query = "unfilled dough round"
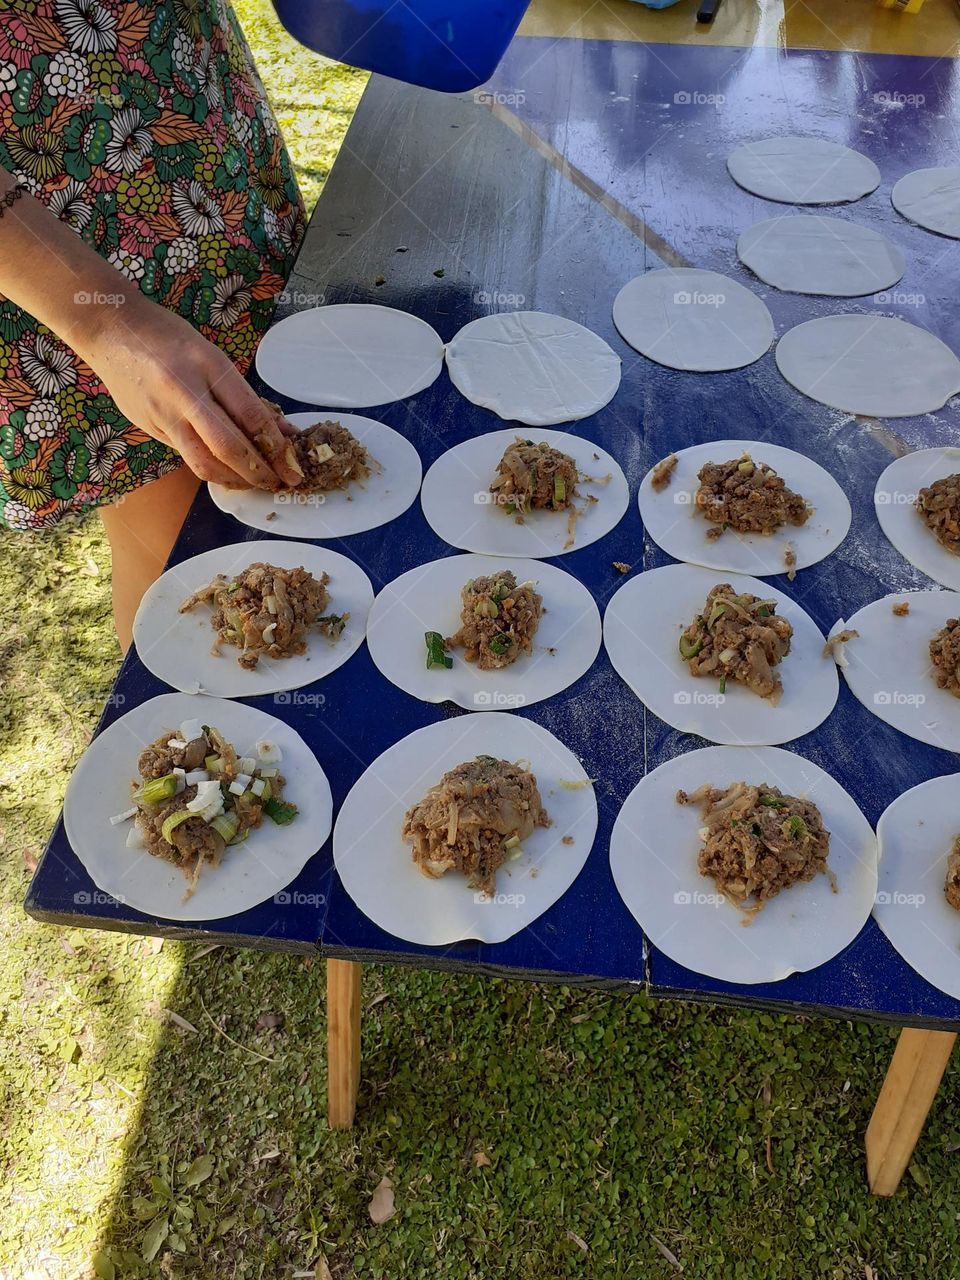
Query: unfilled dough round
(895, 500)
(916, 834)
(350, 356)
(796, 170)
(813, 253)
(685, 318)
(532, 367)
(931, 199)
(653, 858)
(875, 366)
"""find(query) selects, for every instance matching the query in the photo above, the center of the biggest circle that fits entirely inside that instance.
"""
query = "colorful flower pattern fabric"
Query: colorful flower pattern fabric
(143, 125)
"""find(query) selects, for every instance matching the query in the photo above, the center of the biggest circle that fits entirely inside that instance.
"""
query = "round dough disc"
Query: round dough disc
(642, 628)
(888, 665)
(382, 497)
(685, 318)
(931, 199)
(177, 646)
(653, 856)
(250, 872)
(916, 836)
(797, 170)
(458, 504)
(351, 355)
(428, 599)
(812, 253)
(874, 366)
(532, 367)
(895, 501)
(671, 519)
(376, 866)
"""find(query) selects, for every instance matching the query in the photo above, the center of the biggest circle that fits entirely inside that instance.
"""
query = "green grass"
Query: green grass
(530, 1132)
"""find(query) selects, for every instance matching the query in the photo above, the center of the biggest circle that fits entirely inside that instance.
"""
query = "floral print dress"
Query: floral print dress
(143, 125)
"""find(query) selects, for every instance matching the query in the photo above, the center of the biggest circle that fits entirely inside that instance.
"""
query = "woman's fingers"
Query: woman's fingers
(230, 446)
(201, 460)
(260, 423)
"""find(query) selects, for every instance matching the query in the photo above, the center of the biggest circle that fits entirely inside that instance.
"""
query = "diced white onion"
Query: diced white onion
(191, 730)
(247, 764)
(237, 788)
(208, 795)
(244, 779)
(268, 752)
(271, 603)
(728, 655)
(176, 744)
(196, 776)
(135, 839)
(269, 773)
(123, 817)
(258, 786)
(268, 633)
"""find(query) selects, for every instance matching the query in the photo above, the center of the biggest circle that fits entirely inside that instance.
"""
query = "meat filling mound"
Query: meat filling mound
(534, 477)
(662, 473)
(498, 620)
(951, 886)
(267, 612)
(757, 841)
(748, 497)
(738, 637)
(939, 509)
(945, 656)
(474, 820)
(330, 457)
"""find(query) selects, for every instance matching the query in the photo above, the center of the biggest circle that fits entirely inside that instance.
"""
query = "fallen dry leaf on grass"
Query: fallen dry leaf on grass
(480, 1160)
(381, 1207)
(667, 1253)
(323, 1271)
(578, 1241)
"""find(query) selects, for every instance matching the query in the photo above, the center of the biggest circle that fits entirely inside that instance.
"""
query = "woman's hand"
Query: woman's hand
(178, 387)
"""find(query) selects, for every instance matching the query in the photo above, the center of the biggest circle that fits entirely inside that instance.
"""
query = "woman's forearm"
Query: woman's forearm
(49, 271)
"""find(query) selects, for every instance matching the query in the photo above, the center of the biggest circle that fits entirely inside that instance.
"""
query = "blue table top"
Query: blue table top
(425, 182)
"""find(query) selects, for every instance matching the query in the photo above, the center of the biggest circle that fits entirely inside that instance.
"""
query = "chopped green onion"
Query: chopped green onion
(723, 683)
(226, 826)
(511, 508)
(559, 489)
(280, 811)
(773, 802)
(690, 648)
(795, 827)
(437, 655)
(333, 624)
(500, 644)
(156, 790)
(212, 764)
(487, 759)
(174, 820)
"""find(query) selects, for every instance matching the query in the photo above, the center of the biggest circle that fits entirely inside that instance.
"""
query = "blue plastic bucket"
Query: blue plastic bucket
(443, 44)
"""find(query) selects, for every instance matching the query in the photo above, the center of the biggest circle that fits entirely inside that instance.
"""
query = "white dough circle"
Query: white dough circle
(686, 318)
(888, 668)
(388, 491)
(813, 253)
(641, 631)
(177, 646)
(249, 873)
(460, 509)
(533, 367)
(875, 366)
(931, 199)
(376, 866)
(351, 355)
(796, 170)
(895, 500)
(671, 518)
(428, 599)
(916, 835)
(653, 857)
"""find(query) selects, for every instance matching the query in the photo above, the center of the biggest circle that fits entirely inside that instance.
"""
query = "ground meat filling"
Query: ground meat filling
(330, 457)
(748, 497)
(757, 841)
(951, 888)
(939, 508)
(191, 843)
(267, 612)
(662, 473)
(474, 820)
(945, 656)
(534, 477)
(498, 620)
(738, 637)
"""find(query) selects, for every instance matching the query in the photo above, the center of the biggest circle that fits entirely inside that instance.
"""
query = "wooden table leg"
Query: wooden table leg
(909, 1089)
(343, 1041)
